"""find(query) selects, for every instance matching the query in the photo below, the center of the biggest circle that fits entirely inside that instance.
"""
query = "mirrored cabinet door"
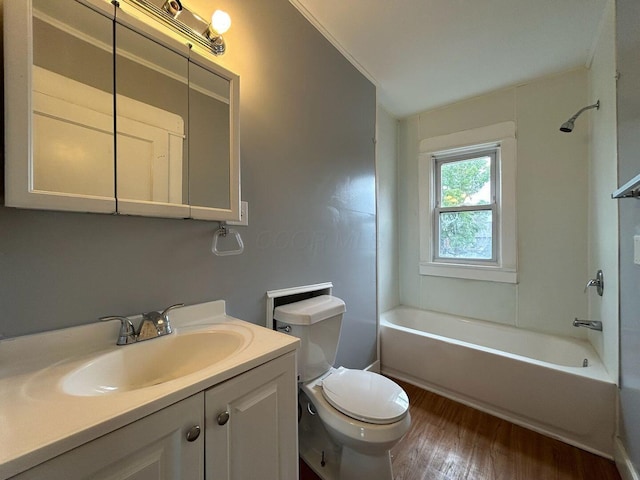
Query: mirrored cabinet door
(213, 141)
(59, 153)
(152, 167)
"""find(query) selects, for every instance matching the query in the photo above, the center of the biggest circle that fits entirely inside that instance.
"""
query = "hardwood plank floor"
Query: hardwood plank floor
(450, 441)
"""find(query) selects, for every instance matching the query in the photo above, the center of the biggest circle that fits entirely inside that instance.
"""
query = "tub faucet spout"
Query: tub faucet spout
(592, 324)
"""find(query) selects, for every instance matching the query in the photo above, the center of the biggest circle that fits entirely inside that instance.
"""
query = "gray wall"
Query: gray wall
(628, 46)
(308, 173)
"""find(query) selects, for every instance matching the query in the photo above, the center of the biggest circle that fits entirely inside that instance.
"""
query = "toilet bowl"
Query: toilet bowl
(350, 419)
(360, 433)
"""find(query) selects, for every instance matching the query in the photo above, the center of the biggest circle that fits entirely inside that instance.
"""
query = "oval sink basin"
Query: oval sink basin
(153, 362)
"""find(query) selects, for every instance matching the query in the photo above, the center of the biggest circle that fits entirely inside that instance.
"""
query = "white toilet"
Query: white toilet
(350, 419)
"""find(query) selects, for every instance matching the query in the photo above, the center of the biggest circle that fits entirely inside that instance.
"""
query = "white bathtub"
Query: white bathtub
(531, 379)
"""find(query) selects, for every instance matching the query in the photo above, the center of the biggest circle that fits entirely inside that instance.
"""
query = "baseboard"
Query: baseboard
(623, 462)
(374, 367)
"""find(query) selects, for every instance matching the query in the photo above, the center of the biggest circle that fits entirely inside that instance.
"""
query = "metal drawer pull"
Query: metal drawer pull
(223, 418)
(193, 433)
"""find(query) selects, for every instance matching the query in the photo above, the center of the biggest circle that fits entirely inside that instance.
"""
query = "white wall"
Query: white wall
(551, 208)
(603, 179)
(387, 191)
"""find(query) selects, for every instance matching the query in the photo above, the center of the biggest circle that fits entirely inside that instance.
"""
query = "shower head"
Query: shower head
(569, 124)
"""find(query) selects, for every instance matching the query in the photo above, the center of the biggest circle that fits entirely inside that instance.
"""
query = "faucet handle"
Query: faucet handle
(591, 283)
(127, 332)
(597, 282)
(171, 307)
(162, 323)
(166, 310)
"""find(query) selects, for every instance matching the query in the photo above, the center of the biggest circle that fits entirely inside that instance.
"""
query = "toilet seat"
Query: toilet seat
(365, 396)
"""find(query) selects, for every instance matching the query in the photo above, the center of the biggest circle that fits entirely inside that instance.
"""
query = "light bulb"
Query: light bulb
(220, 21)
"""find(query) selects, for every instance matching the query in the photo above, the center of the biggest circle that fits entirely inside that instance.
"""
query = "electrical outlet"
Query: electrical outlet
(244, 215)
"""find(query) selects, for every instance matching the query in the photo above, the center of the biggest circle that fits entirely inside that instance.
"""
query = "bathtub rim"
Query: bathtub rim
(595, 371)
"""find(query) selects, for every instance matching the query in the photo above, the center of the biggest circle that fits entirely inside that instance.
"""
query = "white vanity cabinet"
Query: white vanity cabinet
(248, 430)
(251, 424)
(152, 448)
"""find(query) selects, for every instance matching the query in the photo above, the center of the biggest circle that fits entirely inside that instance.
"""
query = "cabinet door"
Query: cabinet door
(214, 142)
(59, 105)
(152, 111)
(251, 424)
(153, 448)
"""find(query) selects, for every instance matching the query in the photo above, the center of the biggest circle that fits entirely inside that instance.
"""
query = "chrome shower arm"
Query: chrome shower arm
(588, 107)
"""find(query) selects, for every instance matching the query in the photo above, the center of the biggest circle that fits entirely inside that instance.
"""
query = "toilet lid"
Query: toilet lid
(365, 396)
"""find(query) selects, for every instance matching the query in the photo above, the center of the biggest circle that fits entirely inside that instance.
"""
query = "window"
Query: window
(467, 204)
(466, 207)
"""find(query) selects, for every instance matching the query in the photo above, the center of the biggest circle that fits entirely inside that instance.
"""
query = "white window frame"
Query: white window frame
(503, 268)
(460, 155)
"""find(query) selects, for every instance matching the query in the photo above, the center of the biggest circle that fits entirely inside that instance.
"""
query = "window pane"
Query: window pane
(466, 182)
(466, 235)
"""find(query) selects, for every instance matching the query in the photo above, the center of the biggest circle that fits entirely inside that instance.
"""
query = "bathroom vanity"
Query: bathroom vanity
(76, 405)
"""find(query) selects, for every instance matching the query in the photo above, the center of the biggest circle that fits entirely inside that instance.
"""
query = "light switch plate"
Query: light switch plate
(244, 215)
(636, 249)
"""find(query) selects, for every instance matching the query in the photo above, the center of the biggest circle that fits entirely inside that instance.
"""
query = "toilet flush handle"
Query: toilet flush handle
(311, 409)
(285, 329)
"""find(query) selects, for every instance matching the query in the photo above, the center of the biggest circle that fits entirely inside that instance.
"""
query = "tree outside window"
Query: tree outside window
(465, 213)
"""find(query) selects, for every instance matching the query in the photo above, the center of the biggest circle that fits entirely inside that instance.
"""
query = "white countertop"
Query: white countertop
(38, 420)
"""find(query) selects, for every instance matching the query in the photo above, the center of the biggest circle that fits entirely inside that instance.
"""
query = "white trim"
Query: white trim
(623, 462)
(503, 134)
(488, 134)
(333, 41)
(469, 272)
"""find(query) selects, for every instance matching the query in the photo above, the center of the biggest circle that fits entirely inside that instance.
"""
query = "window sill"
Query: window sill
(469, 272)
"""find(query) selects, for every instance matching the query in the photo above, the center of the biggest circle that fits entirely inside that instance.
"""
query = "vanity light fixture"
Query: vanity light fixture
(177, 16)
(172, 7)
(220, 23)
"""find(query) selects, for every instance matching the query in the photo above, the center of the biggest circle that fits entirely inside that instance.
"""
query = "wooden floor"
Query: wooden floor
(450, 441)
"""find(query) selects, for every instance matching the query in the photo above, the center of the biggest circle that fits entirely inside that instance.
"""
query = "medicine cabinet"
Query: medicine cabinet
(108, 110)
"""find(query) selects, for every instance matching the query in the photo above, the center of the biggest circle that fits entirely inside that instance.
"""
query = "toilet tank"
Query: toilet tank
(316, 322)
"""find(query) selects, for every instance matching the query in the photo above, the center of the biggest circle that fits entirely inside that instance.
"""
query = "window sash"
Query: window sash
(456, 156)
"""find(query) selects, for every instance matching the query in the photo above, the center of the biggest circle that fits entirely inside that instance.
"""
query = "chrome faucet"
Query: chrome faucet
(152, 325)
(592, 324)
(156, 324)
